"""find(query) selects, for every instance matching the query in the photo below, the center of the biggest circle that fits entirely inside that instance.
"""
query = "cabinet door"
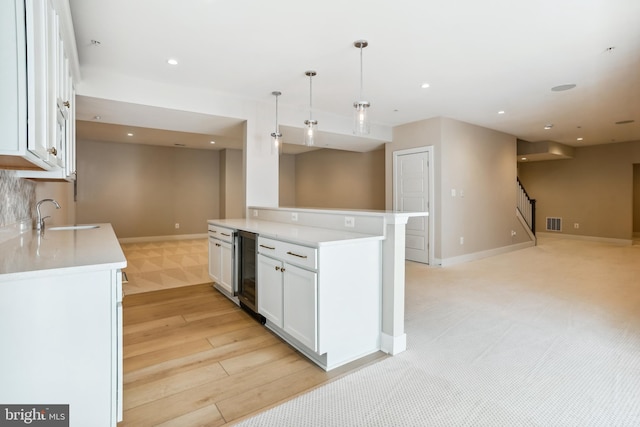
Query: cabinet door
(301, 305)
(214, 259)
(270, 289)
(226, 267)
(38, 21)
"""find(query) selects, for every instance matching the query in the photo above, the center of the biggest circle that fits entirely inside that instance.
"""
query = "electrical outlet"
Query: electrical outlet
(255, 212)
(294, 216)
(513, 233)
(576, 225)
(462, 240)
(349, 221)
(177, 225)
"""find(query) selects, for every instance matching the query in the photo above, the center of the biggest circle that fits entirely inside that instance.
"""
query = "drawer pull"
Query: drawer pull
(299, 256)
(267, 247)
(212, 231)
(225, 234)
(218, 244)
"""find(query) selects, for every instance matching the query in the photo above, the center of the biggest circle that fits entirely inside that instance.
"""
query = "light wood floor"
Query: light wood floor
(193, 358)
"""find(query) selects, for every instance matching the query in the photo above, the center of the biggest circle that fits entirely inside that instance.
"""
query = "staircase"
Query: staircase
(526, 208)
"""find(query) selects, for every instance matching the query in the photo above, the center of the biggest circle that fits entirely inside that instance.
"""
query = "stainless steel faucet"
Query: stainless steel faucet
(40, 220)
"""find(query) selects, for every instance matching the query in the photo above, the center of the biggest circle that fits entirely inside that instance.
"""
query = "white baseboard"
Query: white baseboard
(162, 238)
(587, 238)
(393, 345)
(485, 254)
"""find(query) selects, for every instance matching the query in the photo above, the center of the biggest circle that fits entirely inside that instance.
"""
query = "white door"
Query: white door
(411, 184)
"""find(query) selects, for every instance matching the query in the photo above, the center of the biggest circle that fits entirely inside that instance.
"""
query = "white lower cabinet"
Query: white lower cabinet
(270, 288)
(221, 258)
(62, 344)
(324, 301)
(288, 298)
(300, 296)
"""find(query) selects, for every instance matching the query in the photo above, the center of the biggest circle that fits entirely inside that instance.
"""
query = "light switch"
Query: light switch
(453, 192)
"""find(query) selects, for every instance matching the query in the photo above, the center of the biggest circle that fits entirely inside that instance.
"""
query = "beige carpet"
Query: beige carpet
(545, 336)
(152, 266)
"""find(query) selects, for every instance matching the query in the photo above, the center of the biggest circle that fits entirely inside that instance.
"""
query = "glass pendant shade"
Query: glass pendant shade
(361, 124)
(311, 126)
(310, 130)
(276, 143)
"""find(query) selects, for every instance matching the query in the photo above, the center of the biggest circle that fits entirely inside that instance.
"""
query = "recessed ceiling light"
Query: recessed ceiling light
(172, 61)
(548, 126)
(579, 139)
(212, 142)
(561, 88)
(523, 158)
(129, 134)
(501, 112)
(425, 85)
(96, 117)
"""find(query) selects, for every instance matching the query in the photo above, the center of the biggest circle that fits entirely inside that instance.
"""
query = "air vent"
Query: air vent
(554, 224)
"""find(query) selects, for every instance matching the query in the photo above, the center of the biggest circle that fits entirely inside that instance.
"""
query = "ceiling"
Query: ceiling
(478, 57)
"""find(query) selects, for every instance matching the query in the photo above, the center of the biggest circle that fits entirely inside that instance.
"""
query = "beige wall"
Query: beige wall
(144, 190)
(477, 161)
(339, 179)
(232, 203)
(287, 180)
(594, 189)
(636, 198)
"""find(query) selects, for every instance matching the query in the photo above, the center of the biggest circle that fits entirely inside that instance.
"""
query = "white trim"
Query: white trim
(429, 149)
(162, 238)
(526, 226)
(587, 238)
(447, 262)
(393, 345)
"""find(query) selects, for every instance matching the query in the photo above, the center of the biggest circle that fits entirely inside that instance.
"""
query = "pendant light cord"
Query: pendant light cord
(361, 74)
(310, 99)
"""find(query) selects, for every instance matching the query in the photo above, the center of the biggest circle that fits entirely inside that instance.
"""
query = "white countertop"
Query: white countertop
(310, 236)
(60, 252)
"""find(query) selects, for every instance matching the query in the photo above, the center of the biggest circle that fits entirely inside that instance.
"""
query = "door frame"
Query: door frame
(431, 176)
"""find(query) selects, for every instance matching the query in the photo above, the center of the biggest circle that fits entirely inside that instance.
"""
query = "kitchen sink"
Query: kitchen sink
(73, 227)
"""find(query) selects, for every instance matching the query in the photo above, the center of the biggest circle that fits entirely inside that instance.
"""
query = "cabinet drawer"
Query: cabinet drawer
(221, 233)
(303, 256)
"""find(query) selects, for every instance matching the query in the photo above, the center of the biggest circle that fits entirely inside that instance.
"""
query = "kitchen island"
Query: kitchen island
(61, 328)
(354, 257)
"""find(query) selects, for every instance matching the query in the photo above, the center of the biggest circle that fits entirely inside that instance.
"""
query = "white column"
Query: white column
(393, 338)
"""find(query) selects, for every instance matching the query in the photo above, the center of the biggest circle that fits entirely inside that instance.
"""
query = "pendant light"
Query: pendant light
(361, 122)
(311, 125)
(276, 137)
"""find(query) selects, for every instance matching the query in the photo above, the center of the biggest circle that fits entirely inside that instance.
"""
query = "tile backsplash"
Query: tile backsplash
(17, 196)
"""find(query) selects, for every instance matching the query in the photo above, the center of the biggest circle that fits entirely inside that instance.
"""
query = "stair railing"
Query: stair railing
(526, 206)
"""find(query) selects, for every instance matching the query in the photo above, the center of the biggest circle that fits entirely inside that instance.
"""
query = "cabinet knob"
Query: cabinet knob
(66, 104)
(277, 268)
(282, 269)
(53, 151)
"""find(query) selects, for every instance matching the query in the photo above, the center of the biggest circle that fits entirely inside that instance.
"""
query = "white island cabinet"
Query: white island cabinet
(318, 288)
(61, 323)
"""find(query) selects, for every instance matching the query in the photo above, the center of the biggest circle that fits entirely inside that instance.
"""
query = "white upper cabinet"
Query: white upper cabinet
(39, 87)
